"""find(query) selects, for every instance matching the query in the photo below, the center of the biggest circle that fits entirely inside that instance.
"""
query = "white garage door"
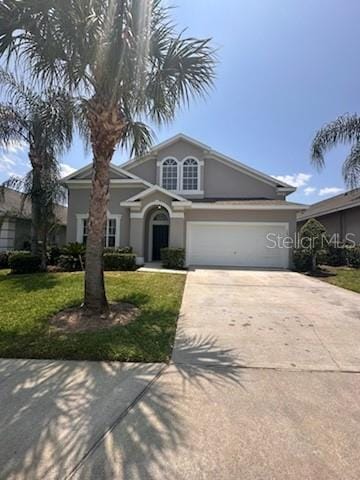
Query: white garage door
(236, 244)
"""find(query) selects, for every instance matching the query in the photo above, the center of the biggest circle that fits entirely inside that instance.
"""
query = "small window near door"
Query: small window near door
(110, 236)
(84, 229)
(160, 217)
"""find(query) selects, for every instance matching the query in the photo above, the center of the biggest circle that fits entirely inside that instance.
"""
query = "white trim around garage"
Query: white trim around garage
(285, 225)
(219, 206)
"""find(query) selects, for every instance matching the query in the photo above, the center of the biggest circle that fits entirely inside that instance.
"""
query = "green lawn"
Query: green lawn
(27, 301)
(345, 277)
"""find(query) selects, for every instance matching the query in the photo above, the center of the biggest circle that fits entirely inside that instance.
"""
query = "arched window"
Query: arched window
(160, 217)
(170, 174)
(190, 174)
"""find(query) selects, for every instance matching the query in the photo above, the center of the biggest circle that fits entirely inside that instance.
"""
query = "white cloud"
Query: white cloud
(66, 170)
(296, 180)
(309, 190)
(12, 165)
(326, 191)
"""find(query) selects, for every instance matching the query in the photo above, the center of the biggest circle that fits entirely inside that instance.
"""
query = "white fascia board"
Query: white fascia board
(137, 161)
(329, 211)
(129, 175)
(153, 151)
(187, 203)
(77, 172)
(211, 206)
(155, 188)
(287, 189)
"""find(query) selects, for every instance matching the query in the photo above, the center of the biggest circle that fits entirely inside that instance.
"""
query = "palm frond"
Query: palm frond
(344, 129)
(137, 138)
(351, 167)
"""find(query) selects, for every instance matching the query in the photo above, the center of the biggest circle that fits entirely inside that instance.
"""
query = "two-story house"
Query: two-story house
(184, 194)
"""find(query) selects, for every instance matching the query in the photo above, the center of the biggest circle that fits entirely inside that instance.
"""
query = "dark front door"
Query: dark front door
(160, 240)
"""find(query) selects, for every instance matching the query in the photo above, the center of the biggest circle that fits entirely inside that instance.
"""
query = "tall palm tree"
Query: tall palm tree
(345, 129)
(44, 122)
(126, 63)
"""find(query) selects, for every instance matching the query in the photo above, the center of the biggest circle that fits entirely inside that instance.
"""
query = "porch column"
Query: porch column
(177, 231)
(137, 236)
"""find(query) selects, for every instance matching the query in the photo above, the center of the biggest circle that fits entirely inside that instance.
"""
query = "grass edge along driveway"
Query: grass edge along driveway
(345, 277)
(28, 301)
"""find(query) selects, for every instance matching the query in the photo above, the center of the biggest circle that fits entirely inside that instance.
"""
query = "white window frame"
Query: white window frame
(179, 183)
(197, 190)
(177, 174)
(84, 216)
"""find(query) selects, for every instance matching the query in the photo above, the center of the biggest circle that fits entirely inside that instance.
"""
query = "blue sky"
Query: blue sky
(286, 67)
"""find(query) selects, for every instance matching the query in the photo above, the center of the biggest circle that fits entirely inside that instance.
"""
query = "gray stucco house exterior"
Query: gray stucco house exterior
(15, 222)
(340, 215)
(184, 194)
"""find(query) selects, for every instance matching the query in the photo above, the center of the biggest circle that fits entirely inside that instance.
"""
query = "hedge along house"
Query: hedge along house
(184, 194)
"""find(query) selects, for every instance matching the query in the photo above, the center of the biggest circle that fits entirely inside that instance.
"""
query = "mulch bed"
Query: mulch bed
(76, 319)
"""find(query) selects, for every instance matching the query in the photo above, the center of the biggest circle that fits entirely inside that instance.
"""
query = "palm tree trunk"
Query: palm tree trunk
(95, 297)
(44, 235)
(35, 207)
(106, 126)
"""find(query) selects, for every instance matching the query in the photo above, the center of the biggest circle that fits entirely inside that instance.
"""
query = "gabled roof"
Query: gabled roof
(73, 177)
(210, 153)
(152, 189)
(343, 201)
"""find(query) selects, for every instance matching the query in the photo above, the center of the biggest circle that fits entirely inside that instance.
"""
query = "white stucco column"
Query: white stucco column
(177, 231)
(137, 236)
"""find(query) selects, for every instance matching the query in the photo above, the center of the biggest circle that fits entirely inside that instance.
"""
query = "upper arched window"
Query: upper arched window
(170, 174)
(190, 174)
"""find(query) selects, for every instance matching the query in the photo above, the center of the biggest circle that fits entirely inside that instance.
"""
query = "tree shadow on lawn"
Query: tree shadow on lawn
(97, 420)
(31, 282)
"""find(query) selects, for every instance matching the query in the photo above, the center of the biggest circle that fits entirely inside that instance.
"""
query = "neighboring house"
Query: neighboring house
(184, 194)
(340, 215)
(15, 222)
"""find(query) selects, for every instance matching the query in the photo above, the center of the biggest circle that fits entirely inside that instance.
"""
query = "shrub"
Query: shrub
(119, 261)
(72, 257)
(335, 256)
(173, 258)
(68, 263)
(118, 250)
(4, 260)
(53, 254)
(24, 262)
(312, 236)
(302, 260)
(353, 256)
(74, 249)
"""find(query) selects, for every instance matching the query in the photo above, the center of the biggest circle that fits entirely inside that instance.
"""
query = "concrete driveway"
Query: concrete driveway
(220, 410)
(271, 319)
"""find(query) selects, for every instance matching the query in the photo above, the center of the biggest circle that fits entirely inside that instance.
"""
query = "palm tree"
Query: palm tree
(127, 65)
(345, 129)
(44, 122)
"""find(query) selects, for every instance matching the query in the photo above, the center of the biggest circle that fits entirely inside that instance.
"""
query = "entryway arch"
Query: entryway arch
(158, 232)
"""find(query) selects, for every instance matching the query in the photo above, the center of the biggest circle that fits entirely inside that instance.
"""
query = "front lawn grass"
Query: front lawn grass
(345, 277)
(27, 302)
